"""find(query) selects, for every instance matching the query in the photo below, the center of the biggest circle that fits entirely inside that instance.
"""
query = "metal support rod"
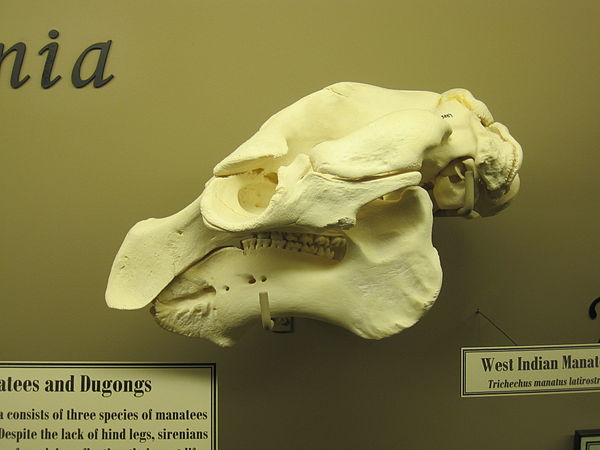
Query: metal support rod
(265, 313)
(496, 326)
(469, 179)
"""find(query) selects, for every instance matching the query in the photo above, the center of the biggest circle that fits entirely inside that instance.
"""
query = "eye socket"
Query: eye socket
(255, 196)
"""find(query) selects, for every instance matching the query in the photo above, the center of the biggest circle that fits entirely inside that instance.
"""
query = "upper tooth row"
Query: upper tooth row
(303, 238)
(303, 242)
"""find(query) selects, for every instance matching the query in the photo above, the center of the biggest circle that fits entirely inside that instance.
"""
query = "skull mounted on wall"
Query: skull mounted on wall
(329, 208)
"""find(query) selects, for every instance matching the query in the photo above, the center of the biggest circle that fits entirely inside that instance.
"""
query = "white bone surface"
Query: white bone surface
(329, 209)
(389, 277)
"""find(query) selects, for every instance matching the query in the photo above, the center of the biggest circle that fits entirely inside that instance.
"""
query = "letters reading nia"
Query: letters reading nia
(51, 50)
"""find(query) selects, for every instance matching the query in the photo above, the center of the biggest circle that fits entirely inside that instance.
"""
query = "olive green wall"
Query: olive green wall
(193, 79)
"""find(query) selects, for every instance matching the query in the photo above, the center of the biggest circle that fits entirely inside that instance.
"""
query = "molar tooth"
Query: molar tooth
(320, 251)
(248, 244)
(306, 238)
(263, 243)
(292, 236)
(292, 245)
(280, 243)
(323, 241)
(276, 236)
(263, 235)
(338, 242)
(329, 253)
(309, 249)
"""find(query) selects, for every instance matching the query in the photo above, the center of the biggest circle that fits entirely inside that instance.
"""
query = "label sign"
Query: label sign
(544, 369)
(108, 406)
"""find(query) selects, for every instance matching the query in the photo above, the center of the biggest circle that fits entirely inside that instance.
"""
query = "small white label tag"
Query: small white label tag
(543, 369)
(98, 406)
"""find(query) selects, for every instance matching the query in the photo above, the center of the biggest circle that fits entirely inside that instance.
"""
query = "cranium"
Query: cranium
(328, 208)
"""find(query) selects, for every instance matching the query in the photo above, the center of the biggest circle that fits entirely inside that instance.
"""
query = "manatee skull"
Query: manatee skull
(329, 209)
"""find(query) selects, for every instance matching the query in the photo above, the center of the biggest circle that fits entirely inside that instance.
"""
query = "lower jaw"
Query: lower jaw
(351, 294)
(389, 276)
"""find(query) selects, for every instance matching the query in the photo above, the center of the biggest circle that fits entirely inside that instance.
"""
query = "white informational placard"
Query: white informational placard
(590, 443)
(539, 369)
(108, 406)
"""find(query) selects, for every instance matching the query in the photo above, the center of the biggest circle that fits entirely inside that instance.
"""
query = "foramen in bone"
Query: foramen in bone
(329, 209)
